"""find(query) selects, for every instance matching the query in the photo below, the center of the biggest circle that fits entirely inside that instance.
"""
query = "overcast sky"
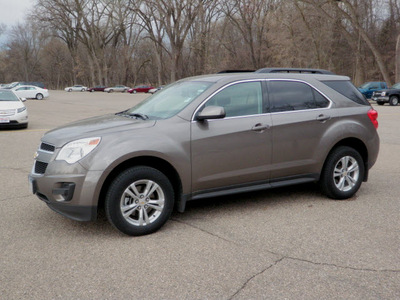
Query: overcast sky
(14, 11)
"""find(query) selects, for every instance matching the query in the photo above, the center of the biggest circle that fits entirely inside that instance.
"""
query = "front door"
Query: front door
(236, 149)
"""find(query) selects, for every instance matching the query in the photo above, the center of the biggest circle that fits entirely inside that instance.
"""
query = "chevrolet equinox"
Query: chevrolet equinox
(209, 136)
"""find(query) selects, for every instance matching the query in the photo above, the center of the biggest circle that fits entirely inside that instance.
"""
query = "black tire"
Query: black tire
(39, 96)
(134, 91)
(394, 100)
(349, 172)
(380, 103)
(110, 91)
(138, 203)
(70, 90)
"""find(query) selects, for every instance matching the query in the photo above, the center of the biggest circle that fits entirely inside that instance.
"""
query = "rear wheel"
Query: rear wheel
(343, 173)
(139, 201)
(394, 100)
(39, 96)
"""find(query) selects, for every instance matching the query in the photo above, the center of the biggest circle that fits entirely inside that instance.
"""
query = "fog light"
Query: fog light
(65, 192)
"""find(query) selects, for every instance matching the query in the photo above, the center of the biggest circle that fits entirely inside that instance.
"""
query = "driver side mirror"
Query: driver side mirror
(211, 112)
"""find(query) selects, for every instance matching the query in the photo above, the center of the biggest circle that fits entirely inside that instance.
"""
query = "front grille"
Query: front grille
(40, 167)
(47, 147)
(7, 112)
(376, 94)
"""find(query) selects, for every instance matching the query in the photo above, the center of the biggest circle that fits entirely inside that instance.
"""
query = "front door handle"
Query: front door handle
(323, 118)
(260, 127)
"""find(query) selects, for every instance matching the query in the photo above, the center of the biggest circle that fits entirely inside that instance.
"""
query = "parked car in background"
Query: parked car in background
(369, 87)
(154, 90)
(117, 88)
(30, 92)
(76, 88)
(98, 88)
(13, 112)
(140, 89)
(204, 137)
(19, 83)
(391, 95)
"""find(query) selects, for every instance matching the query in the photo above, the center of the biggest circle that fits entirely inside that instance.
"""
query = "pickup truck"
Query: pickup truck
(390, 96)
(369, 87)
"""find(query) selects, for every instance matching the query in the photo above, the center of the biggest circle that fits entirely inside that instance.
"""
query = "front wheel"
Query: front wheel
(394, 101)
(380, 103)
(139, 201)
(343, 173)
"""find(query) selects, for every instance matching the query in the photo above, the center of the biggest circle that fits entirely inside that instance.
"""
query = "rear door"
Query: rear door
(236, 149)
(300, 117)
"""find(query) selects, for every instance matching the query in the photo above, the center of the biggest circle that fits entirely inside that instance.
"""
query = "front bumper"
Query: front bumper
(71, 195)
(380, 98)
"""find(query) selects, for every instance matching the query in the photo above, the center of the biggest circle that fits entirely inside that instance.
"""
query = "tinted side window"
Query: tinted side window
(288, 95)
(347, 89)
(240, 99)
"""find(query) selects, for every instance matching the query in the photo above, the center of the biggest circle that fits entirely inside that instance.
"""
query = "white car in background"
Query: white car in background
(30, 92)
(13, 112)
(76, 88)
(117, 88)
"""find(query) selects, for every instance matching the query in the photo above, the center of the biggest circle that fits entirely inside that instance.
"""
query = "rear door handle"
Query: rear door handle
(260, 127)
(323, 118)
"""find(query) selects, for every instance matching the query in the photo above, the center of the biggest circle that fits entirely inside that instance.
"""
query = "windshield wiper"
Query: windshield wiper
(139, 115)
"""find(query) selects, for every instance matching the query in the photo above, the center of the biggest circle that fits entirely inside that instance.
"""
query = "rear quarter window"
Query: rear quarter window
(347, 89)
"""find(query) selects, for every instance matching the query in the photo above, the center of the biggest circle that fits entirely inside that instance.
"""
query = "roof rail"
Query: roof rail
(294, 70)
(235, 71)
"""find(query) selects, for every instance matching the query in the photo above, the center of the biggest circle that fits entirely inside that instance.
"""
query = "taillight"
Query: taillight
(373, 116)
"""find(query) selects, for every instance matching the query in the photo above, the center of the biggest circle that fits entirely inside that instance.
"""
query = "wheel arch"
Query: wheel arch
(149, 161)
(356, 144)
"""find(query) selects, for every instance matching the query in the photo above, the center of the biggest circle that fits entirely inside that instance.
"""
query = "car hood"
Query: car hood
(94, 127)
(10, 105)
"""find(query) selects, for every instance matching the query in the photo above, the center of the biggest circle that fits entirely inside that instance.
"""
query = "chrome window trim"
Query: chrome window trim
(267, 113)
(311, 86)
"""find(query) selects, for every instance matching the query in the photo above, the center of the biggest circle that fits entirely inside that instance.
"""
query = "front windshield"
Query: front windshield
(7, 96)
(170, 100)
(396, 86)
(365, 85)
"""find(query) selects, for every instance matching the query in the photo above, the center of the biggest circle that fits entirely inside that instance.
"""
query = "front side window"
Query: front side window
(240, 99)
(291, 96)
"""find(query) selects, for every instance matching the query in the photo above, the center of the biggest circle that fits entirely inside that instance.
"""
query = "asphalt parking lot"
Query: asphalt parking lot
(290, 243)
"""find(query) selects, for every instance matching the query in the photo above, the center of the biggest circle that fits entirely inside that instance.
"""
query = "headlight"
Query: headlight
(21, 109)
(383, 94)
(76, 150)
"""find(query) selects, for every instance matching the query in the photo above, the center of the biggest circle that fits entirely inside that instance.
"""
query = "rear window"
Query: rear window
(347, 89)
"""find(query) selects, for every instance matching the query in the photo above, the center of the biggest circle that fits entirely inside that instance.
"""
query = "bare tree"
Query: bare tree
(350, 10)
(24, 50)
(64, 17)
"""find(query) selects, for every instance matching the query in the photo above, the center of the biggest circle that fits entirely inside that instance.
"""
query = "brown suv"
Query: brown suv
(208, 136)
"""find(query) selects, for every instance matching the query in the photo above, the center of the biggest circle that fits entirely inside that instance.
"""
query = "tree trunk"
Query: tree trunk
(398, 59)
